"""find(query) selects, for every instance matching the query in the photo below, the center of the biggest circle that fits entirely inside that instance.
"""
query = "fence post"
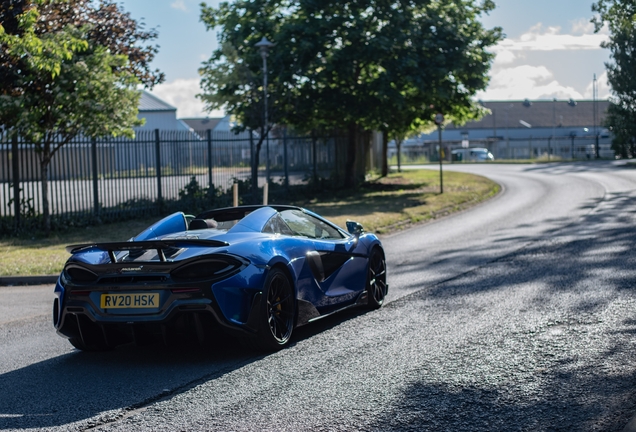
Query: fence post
(265, 193)
(15, 162)
(285, 156)
(158, 162)
(95, 177)
(209, 137)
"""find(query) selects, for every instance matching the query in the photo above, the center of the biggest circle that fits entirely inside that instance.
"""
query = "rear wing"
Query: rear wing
(158, 245)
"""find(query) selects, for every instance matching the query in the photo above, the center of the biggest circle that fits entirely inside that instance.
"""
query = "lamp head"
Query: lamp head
(264, 46)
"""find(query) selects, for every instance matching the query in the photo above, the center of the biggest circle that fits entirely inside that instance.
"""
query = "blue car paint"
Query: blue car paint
(170, 224)
(254, 221)
(234, 296)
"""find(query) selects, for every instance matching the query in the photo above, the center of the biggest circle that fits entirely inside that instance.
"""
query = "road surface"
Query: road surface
(519, 314)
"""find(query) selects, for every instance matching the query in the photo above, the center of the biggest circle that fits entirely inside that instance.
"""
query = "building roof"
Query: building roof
(150, 102)
(539, 114)
(203, 123)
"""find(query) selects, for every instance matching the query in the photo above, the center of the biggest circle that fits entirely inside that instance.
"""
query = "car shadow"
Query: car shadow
(77, 386)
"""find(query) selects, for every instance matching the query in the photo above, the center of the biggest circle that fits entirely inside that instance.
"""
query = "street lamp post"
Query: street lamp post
(264, 46)
(594, 107)
(553, 126)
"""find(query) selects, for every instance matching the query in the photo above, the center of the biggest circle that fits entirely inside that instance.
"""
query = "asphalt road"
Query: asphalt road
(519, 314)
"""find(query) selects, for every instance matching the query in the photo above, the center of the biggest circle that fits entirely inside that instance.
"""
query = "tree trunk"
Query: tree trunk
(350, 164)
(398, 144)
(385, 153)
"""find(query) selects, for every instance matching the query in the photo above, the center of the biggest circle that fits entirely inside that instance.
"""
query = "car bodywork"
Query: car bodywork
(198, 276)
(473, 154)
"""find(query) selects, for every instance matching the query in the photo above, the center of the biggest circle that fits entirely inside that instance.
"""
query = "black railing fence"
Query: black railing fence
(559, 148)
(114, 178)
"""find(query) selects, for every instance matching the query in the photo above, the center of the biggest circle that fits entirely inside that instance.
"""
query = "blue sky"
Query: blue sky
(550, 50)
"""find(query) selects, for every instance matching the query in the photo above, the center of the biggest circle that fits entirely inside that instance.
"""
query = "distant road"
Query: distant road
(518, 314)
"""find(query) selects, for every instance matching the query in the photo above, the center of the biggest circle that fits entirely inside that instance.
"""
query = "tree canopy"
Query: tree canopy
(351, 65)
(70, 67)
(620, 17)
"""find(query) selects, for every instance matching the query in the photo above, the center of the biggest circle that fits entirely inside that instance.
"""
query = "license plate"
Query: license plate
(129, 301)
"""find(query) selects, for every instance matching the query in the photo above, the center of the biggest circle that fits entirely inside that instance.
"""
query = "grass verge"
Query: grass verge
(382, 205)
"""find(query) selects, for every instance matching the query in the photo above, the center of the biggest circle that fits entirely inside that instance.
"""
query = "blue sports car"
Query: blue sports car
(253, 271)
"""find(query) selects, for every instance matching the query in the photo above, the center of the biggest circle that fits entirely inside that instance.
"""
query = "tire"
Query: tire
(376, 279)
(277, 312)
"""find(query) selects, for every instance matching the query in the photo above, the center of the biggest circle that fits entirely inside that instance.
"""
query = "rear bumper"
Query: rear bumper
(229, 305)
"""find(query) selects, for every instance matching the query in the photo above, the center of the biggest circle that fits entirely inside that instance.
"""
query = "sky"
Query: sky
(550, 50)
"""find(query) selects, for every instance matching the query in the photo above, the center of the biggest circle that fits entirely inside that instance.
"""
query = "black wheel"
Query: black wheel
(278, 312)
(376, 279)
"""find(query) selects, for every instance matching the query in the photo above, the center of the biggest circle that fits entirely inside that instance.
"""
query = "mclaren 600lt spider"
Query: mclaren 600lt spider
(256, 272)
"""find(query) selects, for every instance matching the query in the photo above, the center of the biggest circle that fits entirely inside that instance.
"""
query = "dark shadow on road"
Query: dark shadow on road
(558, 168)
(608, 228)
(80, 385)
(434, 407)
(553, 384)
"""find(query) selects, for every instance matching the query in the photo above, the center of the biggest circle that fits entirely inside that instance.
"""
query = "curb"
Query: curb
(28, 280)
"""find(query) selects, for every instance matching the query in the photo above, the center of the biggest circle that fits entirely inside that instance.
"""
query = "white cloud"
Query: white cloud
(504, 57)
(518, 74)
(179, 4)
(603, 88)
(538, 38)
(582, 26)
(181, 93)
(521, 82)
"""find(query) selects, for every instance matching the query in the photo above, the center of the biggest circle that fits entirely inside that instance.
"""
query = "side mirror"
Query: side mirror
(354, 228)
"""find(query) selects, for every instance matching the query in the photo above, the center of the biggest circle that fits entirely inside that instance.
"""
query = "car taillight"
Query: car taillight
(206, 269)
(80, 275)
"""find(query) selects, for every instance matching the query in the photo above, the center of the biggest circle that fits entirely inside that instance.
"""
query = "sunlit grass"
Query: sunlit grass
(382, 205)
(394, 202)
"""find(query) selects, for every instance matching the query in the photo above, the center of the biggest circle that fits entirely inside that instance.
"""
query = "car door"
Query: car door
(338, 262)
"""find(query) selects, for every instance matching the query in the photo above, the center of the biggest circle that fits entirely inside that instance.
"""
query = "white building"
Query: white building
(522, 129)
(158, 114)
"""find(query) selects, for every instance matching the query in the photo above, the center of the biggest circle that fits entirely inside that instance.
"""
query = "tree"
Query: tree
(232, 78)
(620, 17)
(623, 126)
(233, 85)
(70, 67)
(430, 57)
(354, 66)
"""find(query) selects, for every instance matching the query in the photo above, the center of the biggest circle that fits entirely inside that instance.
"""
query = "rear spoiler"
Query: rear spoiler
(159, 245)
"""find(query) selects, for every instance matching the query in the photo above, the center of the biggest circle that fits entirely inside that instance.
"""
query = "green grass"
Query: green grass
(382, 205)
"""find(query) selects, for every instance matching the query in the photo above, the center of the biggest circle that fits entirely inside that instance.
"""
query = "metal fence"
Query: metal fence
(114, 178)
(562, 148)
